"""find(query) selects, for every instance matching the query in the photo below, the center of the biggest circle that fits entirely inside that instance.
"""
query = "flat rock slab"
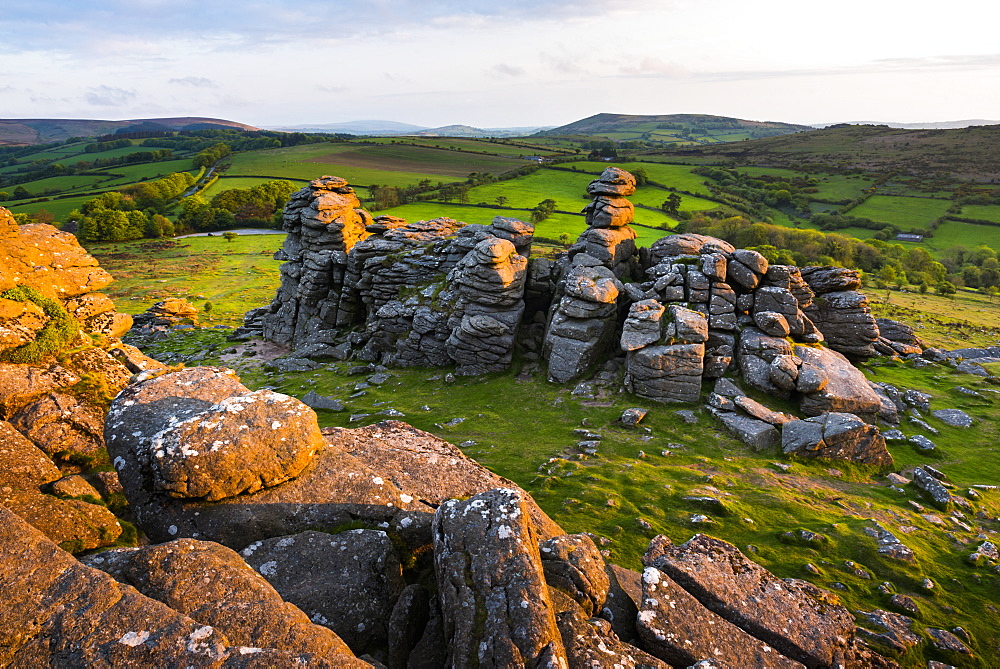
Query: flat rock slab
(56, 611)
(837, 436)
(677, 628)
(953, 417)
(725, 581)
(754, 433)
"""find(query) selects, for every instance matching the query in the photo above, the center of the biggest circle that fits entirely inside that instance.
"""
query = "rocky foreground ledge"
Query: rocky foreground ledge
(280, 544)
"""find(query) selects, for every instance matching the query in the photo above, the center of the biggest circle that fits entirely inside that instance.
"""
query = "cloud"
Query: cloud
(197, 82)
(506, 70)
(655, 66)
(108, 96)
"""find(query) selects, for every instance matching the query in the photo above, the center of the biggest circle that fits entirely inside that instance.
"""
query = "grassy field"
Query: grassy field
(382, 164)
(520, 426)
(674, 176)
(524, 147)
(959, 233)
(58, 207)
(905, 212)
(234, 276)
(229, 183)
(837, 187)
(970, 319)
(985, 212)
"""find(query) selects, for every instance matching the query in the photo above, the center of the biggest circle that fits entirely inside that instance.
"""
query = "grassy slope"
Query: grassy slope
(905, 212)
(233, 276)
(522, 427)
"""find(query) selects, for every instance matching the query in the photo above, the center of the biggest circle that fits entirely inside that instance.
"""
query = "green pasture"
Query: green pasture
(959, 233)
(61, 184)
(234, 276)
(984, 212)
(394, 165)
(229, 183)
(905, 212)
(673, 176)
(147, 171)
(60, 207)
(837, 187)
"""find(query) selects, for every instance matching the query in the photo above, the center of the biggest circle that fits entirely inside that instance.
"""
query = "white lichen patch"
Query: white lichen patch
(134, 639)
(269, 568)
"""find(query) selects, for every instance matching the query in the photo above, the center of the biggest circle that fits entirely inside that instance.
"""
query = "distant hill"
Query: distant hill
(373, 127)
(395, 128)
(26, 131)
(469, 131)
(695, 126)
(936, 125)
(971, 153)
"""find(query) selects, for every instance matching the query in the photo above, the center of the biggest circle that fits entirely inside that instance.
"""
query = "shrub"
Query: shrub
(58, 332)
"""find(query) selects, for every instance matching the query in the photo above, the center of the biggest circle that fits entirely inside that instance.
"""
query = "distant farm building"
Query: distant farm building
(907, 237)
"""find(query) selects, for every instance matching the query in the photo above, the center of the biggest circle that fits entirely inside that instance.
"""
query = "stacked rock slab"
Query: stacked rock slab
(840, 311)
(457, 301)
(583, 321)
(324, 221)
(608, 237)
(669, 368)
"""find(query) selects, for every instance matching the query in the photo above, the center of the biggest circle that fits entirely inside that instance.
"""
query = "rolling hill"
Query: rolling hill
(971, 153)
(21, 132)
(698, 123)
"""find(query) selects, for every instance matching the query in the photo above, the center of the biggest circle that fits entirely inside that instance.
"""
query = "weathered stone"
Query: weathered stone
(953, 417)
(25, 471)
(755, 409)
(642, 327)
(20, 384)
(836, 436)
(686, 326)
(314, 400)
(846, 389)
(497, 611)
(230, 598)
(677, 628)
(573, 564)
(928, 483)
(63, 427)
(347, 582)
(754, 433)
(897, 630)
(212, 445)
(631, 417)
(666, 373)
(747, 595)
(889, 544)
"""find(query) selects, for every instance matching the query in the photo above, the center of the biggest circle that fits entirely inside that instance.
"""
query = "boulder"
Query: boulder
(730, 585)
(757, 434)
(211, 445)
(497, 610)
(836, 436)
(57, 611)
(846, 389)
(229, 597)
(347, 582)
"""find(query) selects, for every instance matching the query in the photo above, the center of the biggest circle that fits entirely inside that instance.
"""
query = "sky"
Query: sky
(500, 63)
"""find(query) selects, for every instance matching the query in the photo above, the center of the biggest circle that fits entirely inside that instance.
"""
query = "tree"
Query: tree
(945, 288)
(21, 193)
(208, 307)
(564, 239)
(672, 204)
(543, 210)
(641, 176)
(502, 200)
(229, 235)
(4, 195)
